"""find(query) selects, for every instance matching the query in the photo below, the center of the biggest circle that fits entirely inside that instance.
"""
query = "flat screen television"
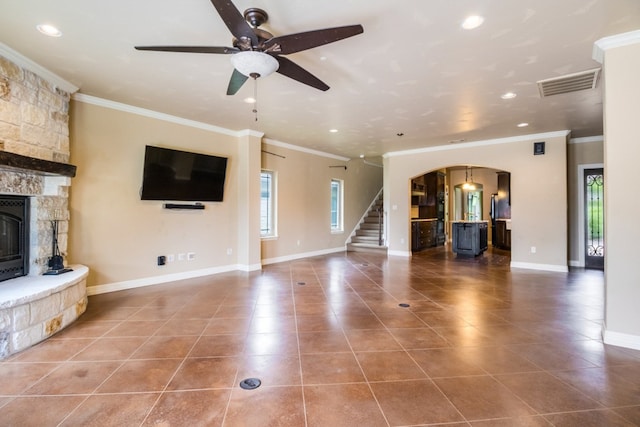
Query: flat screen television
(182, 176)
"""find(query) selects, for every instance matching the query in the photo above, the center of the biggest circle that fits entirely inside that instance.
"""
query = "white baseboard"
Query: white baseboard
(294, 257)
(544, 267)
(156, 280)
(619, 339)
(406, 254)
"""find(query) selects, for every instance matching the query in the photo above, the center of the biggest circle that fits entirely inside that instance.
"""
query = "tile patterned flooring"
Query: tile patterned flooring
(479, 345)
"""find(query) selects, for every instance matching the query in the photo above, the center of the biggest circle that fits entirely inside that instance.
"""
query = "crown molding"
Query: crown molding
(26, 63)
(305, 150)
(611, 42)
(250, 132)
(598, 138)
(508, 140)
(101, 102)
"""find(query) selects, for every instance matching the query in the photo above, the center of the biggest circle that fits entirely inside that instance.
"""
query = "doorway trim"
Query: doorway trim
(581, 209)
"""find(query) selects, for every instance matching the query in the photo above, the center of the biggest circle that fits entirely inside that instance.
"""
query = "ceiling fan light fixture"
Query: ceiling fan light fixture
(253, 62)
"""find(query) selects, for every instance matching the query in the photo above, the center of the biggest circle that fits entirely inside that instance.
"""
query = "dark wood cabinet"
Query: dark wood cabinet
(423, 235)
(431, 205)
(503, 199)
(469, 238)
(503, 234)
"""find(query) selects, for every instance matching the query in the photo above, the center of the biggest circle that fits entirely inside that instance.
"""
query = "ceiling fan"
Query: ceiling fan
(257, 53)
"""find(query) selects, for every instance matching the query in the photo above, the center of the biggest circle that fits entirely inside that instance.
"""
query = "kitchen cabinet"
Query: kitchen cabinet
(503, 200)
(469, 237)
(503, 234)
(423, 234)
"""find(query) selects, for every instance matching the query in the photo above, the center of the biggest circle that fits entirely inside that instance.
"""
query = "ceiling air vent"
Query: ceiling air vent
(569, 83)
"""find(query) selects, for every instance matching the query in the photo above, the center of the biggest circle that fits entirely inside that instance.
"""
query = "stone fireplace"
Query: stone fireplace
(34, 156)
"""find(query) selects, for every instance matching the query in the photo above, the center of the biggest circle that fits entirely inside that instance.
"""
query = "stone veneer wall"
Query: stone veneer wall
(34, 308)
(34, 122)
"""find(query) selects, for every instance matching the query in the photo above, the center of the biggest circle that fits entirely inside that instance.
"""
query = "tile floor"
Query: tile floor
(479, 345)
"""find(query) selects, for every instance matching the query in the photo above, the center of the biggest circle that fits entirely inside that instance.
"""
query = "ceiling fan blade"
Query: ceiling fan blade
(292, 70)
(302, 41)
(236, 82)
(234, 21)
(191, 49)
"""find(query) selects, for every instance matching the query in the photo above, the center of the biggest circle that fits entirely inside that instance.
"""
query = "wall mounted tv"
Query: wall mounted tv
(181, 175)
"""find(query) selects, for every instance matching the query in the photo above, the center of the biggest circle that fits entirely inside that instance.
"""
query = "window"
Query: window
(267, 204)
(336, 205)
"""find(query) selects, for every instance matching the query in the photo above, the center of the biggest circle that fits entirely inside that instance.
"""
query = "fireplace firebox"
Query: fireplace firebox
(14, 236)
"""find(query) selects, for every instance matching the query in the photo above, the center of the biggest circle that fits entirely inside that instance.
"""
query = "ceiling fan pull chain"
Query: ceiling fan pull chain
(255, 97)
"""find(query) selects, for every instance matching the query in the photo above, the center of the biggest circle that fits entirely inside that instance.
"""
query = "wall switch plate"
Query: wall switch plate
(181, 257)
(191, 256)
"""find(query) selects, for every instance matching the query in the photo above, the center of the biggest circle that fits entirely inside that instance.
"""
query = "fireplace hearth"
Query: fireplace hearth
(14, 237)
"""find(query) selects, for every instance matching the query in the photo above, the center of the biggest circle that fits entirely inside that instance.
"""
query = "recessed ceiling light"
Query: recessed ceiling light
(508, 95)
(472, 22)
(333, 130)
(49, 30)
(523, 125)
(250, 100)
(362, 156)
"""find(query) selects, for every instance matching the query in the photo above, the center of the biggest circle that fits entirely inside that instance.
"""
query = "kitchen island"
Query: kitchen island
(469, 237)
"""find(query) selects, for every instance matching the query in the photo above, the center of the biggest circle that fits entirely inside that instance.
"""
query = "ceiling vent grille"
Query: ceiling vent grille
(569, 83)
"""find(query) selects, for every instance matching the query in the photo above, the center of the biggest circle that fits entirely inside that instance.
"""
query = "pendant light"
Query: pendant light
(468, 184)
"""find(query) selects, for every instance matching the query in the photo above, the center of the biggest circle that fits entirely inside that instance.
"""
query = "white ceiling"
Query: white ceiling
(413, 71)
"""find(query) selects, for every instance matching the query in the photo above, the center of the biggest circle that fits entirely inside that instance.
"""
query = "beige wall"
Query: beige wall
(621, 155)
(303, 200)
(579, 154)
(112, 231)
(538, 185)
(119, 237)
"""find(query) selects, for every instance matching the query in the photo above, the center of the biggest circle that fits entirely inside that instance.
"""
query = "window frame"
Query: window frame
(272, 219)
(338, 226)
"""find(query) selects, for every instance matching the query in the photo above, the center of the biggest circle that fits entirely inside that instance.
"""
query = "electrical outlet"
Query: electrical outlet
(533, 249)
(191, 256)
(171, 258)
(181, 257)
(229, 251)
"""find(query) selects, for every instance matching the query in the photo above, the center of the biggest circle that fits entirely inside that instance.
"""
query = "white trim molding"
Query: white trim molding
(101, 102)
(619, 339)
(405, 254)
(542, 267)
(508, 140)
(304, 150)
(156, 280)
(611, 42)
(26, 63)
(294, 257)
(586, 139)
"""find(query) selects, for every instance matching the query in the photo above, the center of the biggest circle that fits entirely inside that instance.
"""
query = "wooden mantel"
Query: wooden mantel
(31, 164)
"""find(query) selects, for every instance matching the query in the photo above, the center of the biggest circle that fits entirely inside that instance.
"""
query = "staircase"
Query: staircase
(369, 237)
